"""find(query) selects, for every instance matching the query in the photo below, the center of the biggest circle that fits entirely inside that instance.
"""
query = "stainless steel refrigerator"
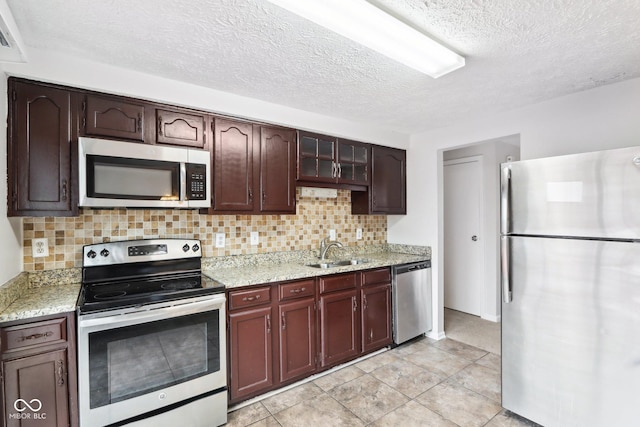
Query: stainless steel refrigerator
(570, 273)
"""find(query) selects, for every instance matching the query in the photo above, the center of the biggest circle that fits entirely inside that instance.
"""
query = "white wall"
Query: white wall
(493, 153)
(10, 229)
(601, 118)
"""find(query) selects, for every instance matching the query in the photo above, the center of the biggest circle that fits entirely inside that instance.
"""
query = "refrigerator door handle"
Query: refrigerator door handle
(505, 202)
(505, 273)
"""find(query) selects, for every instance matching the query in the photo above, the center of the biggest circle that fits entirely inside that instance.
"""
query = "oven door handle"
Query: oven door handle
(150, 313)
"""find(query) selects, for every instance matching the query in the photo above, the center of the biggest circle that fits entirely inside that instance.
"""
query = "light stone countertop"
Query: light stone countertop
(42, 301)
(56, 291)
(233, 277)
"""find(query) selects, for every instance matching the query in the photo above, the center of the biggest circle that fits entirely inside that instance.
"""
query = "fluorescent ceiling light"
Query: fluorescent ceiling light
(364, 23)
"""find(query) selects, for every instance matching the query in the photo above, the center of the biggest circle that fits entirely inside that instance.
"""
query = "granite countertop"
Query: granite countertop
(233, 277)
(56, 291)
(42, 301)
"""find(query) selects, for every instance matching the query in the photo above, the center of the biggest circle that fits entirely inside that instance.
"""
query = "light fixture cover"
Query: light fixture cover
(364, 23)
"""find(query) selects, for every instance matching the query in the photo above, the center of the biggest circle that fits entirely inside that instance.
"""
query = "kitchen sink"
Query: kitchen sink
(340, 263)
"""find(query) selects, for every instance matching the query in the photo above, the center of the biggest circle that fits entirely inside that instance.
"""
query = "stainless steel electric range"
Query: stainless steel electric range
(151, 336)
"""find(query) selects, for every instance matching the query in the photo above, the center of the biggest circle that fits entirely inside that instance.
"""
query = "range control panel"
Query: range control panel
(129, 251)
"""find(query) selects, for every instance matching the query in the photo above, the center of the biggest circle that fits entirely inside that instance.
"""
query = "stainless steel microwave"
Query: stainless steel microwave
(123, 174)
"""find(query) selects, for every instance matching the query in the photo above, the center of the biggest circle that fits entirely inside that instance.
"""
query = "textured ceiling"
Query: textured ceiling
(518, 52)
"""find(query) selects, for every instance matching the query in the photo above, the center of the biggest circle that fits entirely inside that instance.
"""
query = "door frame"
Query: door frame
(484, 240)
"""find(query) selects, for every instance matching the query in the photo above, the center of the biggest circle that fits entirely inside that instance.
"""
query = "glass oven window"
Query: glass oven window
(135, 360)
(123, 178)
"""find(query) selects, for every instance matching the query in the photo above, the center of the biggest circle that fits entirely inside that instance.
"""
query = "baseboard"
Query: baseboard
(435, 335)
(492, 318)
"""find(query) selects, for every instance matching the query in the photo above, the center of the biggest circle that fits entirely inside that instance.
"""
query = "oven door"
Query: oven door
(133, 361)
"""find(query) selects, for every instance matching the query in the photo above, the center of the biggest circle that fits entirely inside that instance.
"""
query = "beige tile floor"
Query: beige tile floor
(421, 383)
(472, 330)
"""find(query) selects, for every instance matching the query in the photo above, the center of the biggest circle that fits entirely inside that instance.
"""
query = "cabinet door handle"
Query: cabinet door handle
(334, 170)
(284, 322)
(252, 298)
(60, 372)
(250, 195)
(339, 170)
(84, 115)
(139, 122)
(364, 302)
(355, 303)
(36, 336)
(371, 335)
(64, 189)
(268, 323)
(160, 125)
(297, 290)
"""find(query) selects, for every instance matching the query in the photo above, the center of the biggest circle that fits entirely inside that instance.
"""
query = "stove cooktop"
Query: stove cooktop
(141, 291)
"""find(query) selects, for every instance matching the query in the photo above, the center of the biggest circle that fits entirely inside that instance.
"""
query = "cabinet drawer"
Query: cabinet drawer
(34, 334)
(293, 290)
(380, 275)
(337, 282)
(249, 297)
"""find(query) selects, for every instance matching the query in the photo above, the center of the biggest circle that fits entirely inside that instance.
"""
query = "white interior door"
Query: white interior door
(463, 245)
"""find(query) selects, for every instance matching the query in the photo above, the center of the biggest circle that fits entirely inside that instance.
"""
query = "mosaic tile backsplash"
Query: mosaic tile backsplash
(312, 222)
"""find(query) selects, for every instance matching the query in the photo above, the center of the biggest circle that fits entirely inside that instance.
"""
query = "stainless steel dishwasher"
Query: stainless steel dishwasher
(411, 300)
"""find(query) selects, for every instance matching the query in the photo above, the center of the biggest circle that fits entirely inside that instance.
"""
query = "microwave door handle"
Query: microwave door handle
(183, 182)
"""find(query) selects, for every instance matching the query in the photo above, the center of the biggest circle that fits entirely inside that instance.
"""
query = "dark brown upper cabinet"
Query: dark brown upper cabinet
(113, 117)
(328, 160)
(316, 157)
(387, 193)
(353, 162)
(253, 168)
(233, 163)
(41, 151)
(180, 128)
(277, 170)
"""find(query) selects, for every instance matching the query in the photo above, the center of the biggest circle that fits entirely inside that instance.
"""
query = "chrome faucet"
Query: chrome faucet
(324, 247)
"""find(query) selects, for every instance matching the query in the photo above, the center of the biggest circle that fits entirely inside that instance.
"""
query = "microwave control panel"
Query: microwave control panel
(196, 181)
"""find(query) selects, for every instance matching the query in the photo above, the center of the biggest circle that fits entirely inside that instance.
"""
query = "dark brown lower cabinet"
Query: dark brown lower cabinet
(376, 317)
(339, 327)
(37, 386)
(39, 379)
(284, 332)
(251, 351)
(297, 339)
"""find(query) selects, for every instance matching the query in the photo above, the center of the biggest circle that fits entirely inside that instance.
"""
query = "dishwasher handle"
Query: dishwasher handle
(407, 268)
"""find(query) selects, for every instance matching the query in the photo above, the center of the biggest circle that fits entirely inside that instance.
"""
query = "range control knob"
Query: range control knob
(185, 248)
(195, 248)
(104, 252)
(91, 254)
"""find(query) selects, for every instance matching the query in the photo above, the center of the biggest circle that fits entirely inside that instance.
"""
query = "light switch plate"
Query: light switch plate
(358, 233)
(255, 238)
(220, 237)
(40, 247)
(332, 235)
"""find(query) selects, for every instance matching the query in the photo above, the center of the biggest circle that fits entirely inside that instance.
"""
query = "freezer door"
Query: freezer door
(587, 195)
(571, 334)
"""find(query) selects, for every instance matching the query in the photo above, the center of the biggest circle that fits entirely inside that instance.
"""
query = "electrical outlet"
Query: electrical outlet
(220, 240)
(332, 234)
(255, 238)
(358, 233)
(40, 247)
